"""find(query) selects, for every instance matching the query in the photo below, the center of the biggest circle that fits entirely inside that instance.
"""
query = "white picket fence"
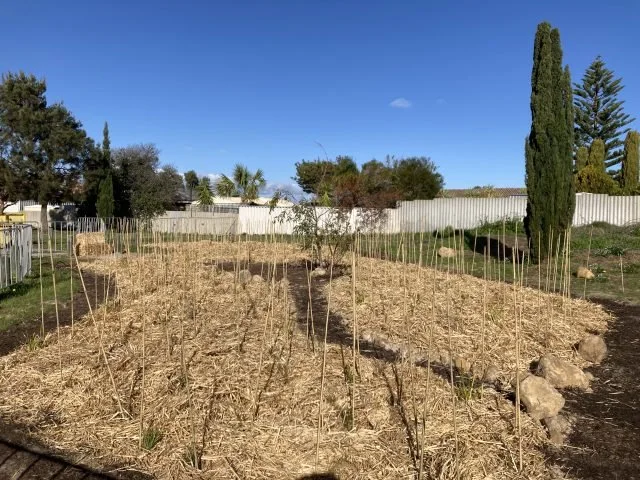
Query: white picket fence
(16, 249)
(459, 213)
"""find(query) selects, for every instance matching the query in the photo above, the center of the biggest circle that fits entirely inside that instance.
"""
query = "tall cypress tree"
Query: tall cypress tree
(599, 113)
(631, 162)
(105, 205)
(549, 146)
(596, 155)
(582, 158)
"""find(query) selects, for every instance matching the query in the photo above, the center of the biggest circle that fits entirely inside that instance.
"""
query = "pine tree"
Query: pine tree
(205, 197)
(631, 162)
(549, 146)
(596, 155)
(599, 113)
(105, 205)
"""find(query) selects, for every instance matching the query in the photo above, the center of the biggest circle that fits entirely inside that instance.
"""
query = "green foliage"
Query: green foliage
(549, 146)
(417, 178)
(143, 188)
(467, 388)
(599, 113)
(582, 158)
(613, 250)
(151, 437)
(105, 205)
(43, 143)
(596, 155)
(486, 191)
(592, 179)
(507, 225)
(325, 232)
(191, 182)
(35, 342)
(315, 177)
(243, 184)
(631, 163)
(205, 197)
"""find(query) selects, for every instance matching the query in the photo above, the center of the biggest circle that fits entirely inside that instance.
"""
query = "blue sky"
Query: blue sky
(214, 83)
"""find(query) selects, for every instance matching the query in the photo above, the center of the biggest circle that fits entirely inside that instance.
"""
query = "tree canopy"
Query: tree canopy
(44, 147)
(598, 111)
(242, 183)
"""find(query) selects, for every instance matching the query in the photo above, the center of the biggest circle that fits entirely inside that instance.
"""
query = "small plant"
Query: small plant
(467, 388)
(599, 273)
(446, 232)
(192, 458)
(35, 342)
(150, 438)
(609, 251)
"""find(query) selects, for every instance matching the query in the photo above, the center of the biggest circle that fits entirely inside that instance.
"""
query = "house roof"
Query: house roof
(260, 201)
(484, 192)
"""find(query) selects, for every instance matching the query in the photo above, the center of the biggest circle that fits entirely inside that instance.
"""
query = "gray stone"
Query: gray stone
(491, 374)
(319, 272)
(539, 398)
(592, 348)
(558, 427)
(244, 277)
(561, 374)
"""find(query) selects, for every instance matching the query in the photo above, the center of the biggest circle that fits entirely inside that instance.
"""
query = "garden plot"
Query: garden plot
(192, 372)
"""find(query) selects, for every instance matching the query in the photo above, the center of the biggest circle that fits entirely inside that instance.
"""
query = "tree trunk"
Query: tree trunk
(44, 219)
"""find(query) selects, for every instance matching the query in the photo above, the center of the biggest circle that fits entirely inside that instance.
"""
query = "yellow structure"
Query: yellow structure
(19, 217)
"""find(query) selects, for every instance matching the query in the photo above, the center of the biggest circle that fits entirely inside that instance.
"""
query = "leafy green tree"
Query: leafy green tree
(96, 169)
(243, 184)
(143, 187)
(315, 177)
(631, 162)
(105, 205)
(592, 179)
(417, 178)
(599, 113)
(203, 190)
(582, 157)
(191, 181)
(44, 143)
(549, 146)
(596, 155)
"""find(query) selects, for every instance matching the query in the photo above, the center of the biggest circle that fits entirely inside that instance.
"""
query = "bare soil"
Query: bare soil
(605, 443)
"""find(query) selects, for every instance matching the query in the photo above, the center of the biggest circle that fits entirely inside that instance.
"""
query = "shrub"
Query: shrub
(591, 179)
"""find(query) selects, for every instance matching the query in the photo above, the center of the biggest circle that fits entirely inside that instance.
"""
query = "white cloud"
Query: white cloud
(400, 102)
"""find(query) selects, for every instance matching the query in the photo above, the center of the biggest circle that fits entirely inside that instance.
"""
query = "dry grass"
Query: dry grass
(231, 385)
(92, 244)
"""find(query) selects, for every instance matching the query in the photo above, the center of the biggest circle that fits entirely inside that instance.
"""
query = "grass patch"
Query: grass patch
(20, 303)
(150, 438)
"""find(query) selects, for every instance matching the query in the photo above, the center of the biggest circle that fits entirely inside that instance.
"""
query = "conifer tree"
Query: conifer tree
(582, 158)
(599, 113)
(631, 162)
(596, 155)
(549, 146)
(105, 205)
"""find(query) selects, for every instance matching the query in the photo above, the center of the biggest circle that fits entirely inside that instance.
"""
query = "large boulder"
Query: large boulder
(592, 348)
(446, 252)
(561, 374)
(539, 398)
(491, 374)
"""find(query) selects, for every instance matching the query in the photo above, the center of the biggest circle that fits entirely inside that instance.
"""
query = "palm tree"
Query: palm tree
(243, 184)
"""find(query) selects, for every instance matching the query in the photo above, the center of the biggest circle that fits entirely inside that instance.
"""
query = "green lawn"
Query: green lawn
(20, 303)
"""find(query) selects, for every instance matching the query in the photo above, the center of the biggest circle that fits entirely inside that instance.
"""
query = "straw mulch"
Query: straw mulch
(92, 244)
(227, 372)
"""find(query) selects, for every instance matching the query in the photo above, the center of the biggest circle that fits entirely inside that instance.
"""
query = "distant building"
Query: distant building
(484, 192)
(237, 201)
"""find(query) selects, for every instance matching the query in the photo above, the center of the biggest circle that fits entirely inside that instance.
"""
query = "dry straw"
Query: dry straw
(243, 392)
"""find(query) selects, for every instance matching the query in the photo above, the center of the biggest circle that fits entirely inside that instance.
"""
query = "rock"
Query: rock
(592, 348)
(257, 279)
(561, 374)
(558, 428)
(539, 398)
(584, 272)
(446, 252)
(244, 277)
(491, 374)
(319, 272)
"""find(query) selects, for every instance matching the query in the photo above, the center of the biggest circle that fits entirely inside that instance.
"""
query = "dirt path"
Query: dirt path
(605, 443)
